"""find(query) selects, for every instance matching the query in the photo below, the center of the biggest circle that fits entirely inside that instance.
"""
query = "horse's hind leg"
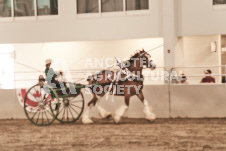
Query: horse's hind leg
(121, 110)
(86, 115)
(102, 112)
(147, 109)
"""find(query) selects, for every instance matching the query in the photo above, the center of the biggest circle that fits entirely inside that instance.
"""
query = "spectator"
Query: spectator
(183, 79)
(174, 77)
(223, 79)
(208, 78)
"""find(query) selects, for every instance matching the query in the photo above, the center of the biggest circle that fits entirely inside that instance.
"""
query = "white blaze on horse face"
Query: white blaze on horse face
(152, 63)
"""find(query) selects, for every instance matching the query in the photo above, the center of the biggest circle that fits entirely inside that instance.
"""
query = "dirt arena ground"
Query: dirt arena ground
(131, 134)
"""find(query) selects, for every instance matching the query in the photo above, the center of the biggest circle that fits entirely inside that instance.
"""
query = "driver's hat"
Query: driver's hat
(48, 61)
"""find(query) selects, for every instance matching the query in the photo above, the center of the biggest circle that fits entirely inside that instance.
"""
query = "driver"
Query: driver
(51, 75)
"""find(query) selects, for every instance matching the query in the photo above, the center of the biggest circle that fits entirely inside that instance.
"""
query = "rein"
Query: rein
(155, 48)
(117, 64)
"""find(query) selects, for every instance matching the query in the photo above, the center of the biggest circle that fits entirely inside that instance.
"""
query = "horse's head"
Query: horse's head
(139, 59)
(148, 61)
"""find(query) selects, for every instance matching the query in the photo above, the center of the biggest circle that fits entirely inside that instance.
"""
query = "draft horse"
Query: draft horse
(124, 86)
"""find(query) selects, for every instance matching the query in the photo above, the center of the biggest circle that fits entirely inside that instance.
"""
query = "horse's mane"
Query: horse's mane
(137, 52)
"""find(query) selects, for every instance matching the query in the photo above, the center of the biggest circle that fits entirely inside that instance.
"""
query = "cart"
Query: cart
(43, 104)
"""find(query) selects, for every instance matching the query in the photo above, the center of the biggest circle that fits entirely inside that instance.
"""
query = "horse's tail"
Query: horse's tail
(90, 79)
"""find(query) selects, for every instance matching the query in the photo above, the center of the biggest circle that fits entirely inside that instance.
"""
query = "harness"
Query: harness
(123, 69)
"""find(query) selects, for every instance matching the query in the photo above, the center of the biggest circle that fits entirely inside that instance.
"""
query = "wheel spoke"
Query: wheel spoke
(71, 112)
(41, 93)
(47, 117)
(34, 97)
(33, 115)
(50, 113)
(63, 114)
(41, 109)
(42, 117)
(67, 115)
(38, 117)
(76, 106)
(28, 112)
(61, 110)
(74, 110)
(77, 101)
(31, 110)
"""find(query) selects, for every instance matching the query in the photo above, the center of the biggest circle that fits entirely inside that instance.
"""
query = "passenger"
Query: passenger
(41, 79)
(208, 78)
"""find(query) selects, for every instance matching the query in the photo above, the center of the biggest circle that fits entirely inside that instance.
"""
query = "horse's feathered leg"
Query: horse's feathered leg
(86, 115)
(102, 112)
(147, 109)
(121, 110)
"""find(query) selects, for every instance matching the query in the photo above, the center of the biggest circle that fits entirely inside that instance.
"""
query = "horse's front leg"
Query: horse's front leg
(86, 115)
(147, 109)
(121, 110)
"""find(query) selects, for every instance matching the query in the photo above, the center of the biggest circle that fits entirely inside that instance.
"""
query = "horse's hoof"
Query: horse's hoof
(87, 121)
(151, 121)
(107, 115)
(116, 118)
(151, 117)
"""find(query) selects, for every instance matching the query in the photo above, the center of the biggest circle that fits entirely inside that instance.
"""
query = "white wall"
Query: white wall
(67, 26)
(198, 101)
(11, 108)
(185, 101)
(199, 17)
(192, 17)
(76, 54)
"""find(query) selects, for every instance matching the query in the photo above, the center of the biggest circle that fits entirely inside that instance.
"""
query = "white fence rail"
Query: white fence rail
(168, 99)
